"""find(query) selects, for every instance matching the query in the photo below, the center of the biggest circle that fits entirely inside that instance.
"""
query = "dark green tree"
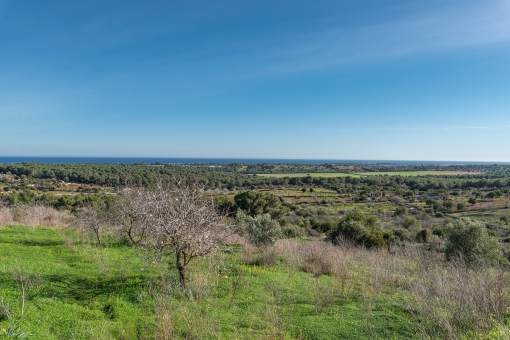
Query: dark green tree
(259, 203)
(471, 241)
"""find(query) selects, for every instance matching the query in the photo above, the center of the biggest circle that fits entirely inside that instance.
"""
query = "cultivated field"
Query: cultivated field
(389, 173)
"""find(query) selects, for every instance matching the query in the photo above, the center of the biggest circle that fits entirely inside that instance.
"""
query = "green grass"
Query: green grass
(389, 173)
(108, 293)
(91, 293)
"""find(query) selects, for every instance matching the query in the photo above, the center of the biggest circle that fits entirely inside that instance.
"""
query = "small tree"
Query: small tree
(175, 220)
(471, 242)
(260, 230)
(411, 221)
(93, 218)
(400, 210)
(259, 203)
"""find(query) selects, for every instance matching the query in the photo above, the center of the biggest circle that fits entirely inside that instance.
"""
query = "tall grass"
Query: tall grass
(306, 289)
(34, 215)
(448, 299)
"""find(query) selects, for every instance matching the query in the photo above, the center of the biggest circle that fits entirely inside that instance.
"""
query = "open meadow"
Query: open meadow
(57, 284)
(375, 173)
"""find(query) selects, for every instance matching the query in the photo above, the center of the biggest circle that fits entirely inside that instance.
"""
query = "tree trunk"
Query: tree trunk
(182, 271)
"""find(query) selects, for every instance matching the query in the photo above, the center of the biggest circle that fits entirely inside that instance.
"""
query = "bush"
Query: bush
(350, 229)
(226, 205)
(401, 234)
(411, 221)
(293, 231)
(261, 230)
(373, 241)
(258, 203)
(360, 228)
(438, 231)
(471, 242)
(321, 226)
(400, 210)
(423, 235)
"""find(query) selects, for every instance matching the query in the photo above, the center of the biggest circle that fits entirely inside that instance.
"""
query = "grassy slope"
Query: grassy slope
(104, 294)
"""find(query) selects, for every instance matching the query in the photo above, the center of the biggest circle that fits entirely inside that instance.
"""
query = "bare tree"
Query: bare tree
(130, 212)
(177, 220)
(93, 218)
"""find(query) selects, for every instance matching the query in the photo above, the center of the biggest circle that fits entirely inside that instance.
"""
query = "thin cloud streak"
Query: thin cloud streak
(480, 127)
(383, 128)
(443, 30)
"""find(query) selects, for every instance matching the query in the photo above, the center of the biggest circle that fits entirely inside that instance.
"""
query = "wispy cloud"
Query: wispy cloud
(432, 128)
(481, 127)
(441, 29)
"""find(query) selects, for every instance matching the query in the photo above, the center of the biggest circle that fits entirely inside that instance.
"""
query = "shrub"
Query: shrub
(226, 205)
(423, 235)
(438, 231)
(411, 221)
(389, 236)
(350, 229)
(293, 231)
(471, 241)
(401, 234)
(373, 241)
(400, 210)
(321, 226)
(258, 203)
(261, 230)
(354, 225)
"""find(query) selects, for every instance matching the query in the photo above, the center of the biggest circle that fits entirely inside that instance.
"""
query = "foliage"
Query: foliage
(411, 221)
(357, 299)
(400, 210)
(351, 229)
(373, 241)
(292, 231)
(13, 332)
(359, 228)
(227, 206)
(260, 230)
(471, 242)
(423, 235)
(258, 203)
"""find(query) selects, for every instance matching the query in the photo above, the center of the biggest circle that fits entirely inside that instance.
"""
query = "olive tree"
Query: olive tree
(471, 242)
(175, 220)
(260, 230)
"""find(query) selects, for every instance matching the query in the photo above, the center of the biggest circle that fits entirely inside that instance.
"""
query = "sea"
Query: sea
(156, 160)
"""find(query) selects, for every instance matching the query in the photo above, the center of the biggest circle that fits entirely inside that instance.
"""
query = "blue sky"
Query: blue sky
(356, 79)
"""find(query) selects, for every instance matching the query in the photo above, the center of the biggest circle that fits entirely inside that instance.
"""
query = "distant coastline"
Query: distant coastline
(163, 160)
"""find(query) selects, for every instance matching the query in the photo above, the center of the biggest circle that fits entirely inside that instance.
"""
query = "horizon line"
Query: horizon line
(266, 158)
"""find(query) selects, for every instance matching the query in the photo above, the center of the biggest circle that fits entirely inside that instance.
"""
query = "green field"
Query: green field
(84, 292)
(55, 284)
(399, 173)
(313, 174)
